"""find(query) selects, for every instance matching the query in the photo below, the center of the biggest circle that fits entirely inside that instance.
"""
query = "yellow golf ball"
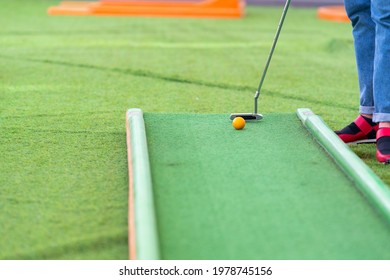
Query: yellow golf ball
(238, 123)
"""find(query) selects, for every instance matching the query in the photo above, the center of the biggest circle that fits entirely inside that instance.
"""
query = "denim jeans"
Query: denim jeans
(371, 31)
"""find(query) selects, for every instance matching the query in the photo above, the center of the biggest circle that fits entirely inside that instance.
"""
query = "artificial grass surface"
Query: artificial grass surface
(66, 83)
(266, 192)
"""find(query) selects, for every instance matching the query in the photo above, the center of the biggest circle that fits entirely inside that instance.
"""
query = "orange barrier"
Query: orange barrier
(199, 9)
(333, 13)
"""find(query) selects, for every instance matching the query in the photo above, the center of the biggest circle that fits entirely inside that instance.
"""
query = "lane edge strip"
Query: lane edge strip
(368, 183)
(131, 224)
(143, 234)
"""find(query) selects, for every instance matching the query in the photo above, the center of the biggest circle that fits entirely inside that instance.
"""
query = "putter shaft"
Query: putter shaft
(286, 6)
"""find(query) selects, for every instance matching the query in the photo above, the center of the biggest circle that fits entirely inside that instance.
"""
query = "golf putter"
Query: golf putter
(255, 115)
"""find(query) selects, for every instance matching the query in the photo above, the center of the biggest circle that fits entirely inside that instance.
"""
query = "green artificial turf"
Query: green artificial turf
(66, 83)
(266, 192)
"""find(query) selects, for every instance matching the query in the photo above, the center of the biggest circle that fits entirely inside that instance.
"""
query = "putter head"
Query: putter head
(247, 116)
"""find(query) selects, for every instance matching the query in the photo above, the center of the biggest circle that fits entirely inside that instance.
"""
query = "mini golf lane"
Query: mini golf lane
(269, 191)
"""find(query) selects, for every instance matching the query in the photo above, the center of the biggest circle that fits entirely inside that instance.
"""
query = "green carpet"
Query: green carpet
(266, 192)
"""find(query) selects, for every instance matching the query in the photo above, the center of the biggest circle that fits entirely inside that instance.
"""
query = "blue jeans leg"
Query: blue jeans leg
(359, 12)
(380, 12)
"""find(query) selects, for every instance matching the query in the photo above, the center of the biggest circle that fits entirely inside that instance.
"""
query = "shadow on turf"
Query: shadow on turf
(76, 248)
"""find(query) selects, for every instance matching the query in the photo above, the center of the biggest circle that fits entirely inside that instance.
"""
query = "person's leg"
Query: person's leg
(381, 16)
(380, 12)
(359, 12)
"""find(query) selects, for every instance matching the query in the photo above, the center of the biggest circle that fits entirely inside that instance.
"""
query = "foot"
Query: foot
(383, 145)
(361, 130)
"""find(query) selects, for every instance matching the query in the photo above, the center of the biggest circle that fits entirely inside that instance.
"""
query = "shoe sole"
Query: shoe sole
(365, 141)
